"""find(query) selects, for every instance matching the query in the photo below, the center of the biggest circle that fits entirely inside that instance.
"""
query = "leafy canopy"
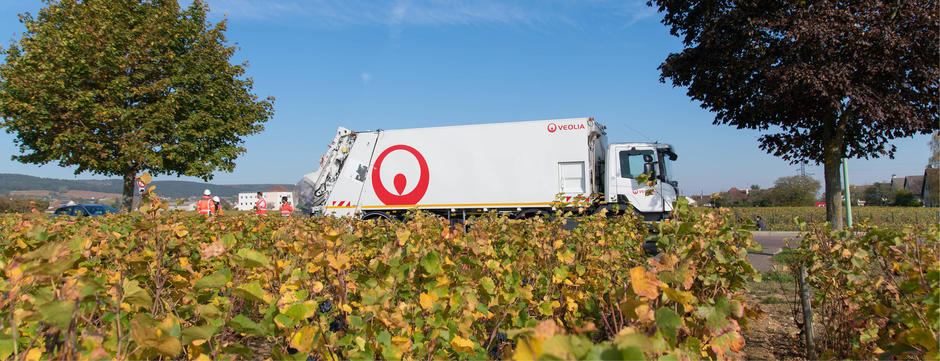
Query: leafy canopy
(115, 87)
(828, 79)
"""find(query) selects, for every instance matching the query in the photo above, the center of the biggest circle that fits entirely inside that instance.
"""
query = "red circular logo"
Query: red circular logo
(552, 127)
(400, 181)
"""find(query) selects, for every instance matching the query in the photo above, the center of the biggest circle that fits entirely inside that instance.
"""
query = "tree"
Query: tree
(878, 194)
(934, 160)
(794, 191)
(904, 198)
(118, 87)
(828, 78)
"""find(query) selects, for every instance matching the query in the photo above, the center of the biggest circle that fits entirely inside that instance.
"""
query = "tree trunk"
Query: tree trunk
(832, 149)
(833, 190)
(130, 180)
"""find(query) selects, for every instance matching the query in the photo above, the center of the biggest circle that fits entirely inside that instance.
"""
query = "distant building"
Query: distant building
(272, 197)
(930, 192)
(188, 205)
(912, 183)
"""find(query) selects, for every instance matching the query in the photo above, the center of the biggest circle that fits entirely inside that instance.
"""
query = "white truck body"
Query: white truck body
(508, 167)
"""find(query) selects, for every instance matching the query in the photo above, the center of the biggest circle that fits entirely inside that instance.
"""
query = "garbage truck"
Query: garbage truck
(521, 169)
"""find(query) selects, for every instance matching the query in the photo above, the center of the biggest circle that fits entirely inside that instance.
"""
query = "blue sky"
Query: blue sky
(400, 64)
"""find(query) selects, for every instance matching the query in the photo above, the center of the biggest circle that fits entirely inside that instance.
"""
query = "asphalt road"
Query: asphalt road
(772, 243)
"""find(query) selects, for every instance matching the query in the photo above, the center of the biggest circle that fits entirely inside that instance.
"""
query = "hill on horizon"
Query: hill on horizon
(173, 189)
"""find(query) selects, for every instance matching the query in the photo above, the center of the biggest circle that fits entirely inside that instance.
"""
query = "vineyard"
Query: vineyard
(782, 218)
(877, 291)
(159, 284)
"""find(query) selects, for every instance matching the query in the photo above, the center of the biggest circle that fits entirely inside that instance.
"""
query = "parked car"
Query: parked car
(93, 210)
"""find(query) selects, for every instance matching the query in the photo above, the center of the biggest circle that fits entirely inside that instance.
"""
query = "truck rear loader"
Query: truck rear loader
(520, 168)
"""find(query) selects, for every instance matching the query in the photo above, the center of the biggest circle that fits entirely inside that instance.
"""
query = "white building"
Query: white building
(184, 206)
(272, 197)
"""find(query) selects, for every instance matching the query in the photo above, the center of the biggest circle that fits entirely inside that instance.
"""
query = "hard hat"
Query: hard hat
(206, 192)
(215, 199)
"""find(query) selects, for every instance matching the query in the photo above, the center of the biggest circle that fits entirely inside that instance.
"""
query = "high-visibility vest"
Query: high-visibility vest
(204, 206)
(286, 210)
(261, 207)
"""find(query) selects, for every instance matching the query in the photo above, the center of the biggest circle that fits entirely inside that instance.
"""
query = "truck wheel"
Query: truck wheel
(532, 213)
(376, 215)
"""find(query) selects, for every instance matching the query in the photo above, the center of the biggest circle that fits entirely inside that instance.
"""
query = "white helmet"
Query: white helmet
(206, 192)
(215, 199)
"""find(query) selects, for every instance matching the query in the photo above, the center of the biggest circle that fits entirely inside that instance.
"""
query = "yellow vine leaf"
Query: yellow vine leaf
(644, 283)
(461, 344)
(427, 299)
(34, 354)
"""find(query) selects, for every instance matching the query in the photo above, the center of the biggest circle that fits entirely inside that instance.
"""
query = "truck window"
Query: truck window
(665, 164)
(631, 163)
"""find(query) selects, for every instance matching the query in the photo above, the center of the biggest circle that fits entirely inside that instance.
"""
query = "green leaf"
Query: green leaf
(301, 311)
(252, 258)
(214, 281)
(56, 267)
(135, 295)
(58, 313)
(243, 324)
(207, 312)
(228, 240)
(488, 285)
(6, 346)
(668, 322)
(251, 291)
(384, 338)
(431, 263)
(146, 332)
(240, 350)
(284, 321)
(567, 347)
(203, 332)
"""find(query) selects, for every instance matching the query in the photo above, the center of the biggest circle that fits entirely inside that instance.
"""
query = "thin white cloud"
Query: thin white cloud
(366, 77)
(431, 12)
(636, 11)
(402, 12)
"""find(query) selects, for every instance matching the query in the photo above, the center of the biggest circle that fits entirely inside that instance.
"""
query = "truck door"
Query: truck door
(571, 180)
(630, 162)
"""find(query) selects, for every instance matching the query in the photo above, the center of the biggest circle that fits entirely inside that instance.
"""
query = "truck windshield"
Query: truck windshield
(632, 162)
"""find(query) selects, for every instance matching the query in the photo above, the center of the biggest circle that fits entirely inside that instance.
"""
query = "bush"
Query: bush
(782, 218)
(877, 291)
(21, 205)
(177, 285)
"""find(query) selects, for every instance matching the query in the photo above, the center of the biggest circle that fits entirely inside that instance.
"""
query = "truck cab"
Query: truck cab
(627, 161)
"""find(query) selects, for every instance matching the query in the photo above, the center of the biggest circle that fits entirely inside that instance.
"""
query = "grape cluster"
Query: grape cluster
(495, 349)
(325, 306)
(338, 324)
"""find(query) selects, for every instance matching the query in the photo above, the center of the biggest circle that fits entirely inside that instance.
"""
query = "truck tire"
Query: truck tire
(377, 215)
(532, 213)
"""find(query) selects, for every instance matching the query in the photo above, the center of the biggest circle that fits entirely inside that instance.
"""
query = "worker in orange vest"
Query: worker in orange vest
(216, 204)
(205, 205)
(261, 207)
(286, 209)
